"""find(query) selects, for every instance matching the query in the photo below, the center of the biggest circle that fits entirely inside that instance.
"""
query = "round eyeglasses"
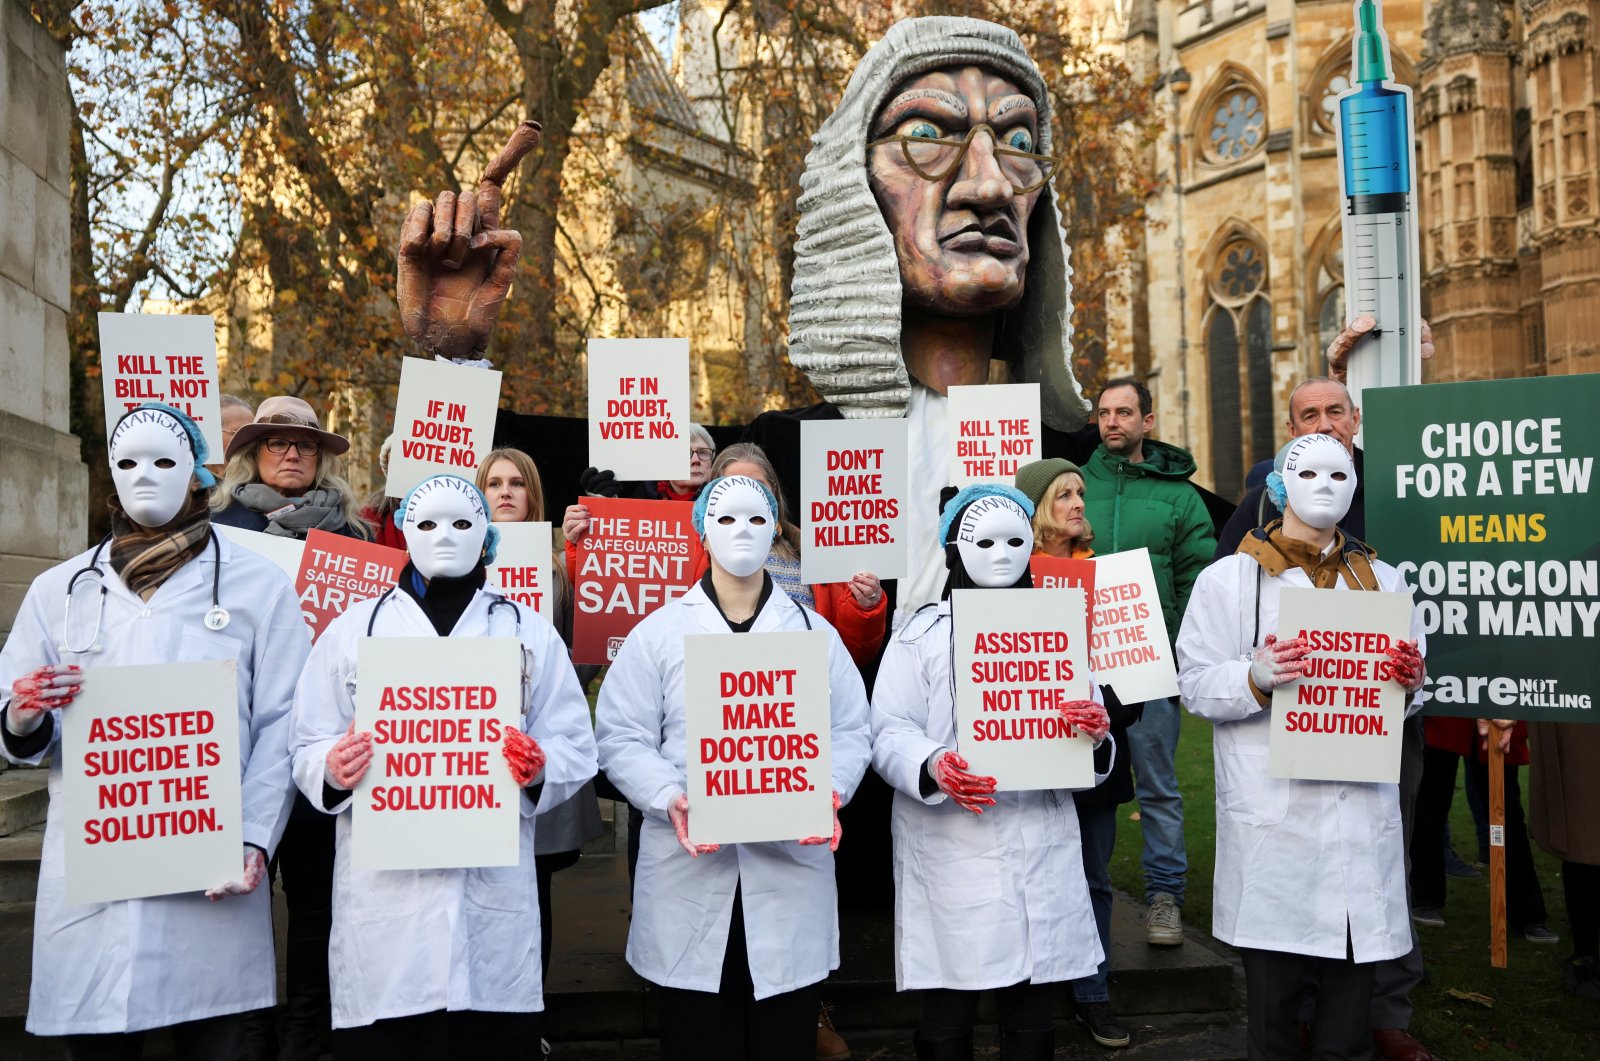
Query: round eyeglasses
(935, 159)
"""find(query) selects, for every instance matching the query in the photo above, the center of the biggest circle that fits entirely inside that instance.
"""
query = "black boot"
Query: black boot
(1027, 1046)
(957, 1049)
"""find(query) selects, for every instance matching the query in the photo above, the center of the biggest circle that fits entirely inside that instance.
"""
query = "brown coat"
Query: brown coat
(1564, 789)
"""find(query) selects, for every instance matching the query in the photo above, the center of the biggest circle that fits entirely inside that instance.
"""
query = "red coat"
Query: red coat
(1460, 735)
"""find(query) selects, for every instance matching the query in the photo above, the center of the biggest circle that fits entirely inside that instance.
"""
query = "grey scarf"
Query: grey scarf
(293, 517)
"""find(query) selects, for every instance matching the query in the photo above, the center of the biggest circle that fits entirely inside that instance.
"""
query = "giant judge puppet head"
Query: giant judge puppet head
(926, 198)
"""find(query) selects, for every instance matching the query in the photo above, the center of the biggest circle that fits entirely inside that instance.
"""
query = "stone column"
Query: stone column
(41, 475)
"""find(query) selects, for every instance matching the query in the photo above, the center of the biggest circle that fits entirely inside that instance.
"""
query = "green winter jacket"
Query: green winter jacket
(1151, 505)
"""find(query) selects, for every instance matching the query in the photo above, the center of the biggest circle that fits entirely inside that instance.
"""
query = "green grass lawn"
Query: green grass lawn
(1531, 1016)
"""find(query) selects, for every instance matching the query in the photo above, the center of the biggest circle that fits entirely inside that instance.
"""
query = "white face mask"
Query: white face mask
(151, 466)
(995, 539)
(739, 525)
(445, 528)
(1319, 479)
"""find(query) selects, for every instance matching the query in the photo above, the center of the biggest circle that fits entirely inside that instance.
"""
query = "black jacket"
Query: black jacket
(1257, 510)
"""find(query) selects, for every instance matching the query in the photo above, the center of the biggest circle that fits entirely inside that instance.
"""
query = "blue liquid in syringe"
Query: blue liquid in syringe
(1377, 156)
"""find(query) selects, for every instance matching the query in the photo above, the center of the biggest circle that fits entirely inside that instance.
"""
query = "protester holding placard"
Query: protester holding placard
(989, 886)
(1056, 488)
(1310, 875)
(431, 962)
(284, 478)
(510, 482)
(858, 609)
(739, 937)
(193, 963)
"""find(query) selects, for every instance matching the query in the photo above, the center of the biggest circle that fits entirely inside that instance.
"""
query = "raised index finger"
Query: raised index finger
(523, 139)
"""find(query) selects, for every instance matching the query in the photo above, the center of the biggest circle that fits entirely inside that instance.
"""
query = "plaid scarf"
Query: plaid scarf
(145, 556)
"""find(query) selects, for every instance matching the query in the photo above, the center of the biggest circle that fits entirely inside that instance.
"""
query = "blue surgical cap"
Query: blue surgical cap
(972, 493)
(491, 542)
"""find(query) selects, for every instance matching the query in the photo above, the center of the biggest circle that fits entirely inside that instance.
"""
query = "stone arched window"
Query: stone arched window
(1238, 337)
(1327, 282)
(1331, 76)
(1231, 121)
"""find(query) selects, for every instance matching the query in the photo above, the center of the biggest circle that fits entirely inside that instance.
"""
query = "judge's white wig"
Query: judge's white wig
(844, 311)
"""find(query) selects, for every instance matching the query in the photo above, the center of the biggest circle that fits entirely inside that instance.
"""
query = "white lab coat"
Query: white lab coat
(681, 905)
(415, 941)
(1296, 860)
(980, 900)
(148, 963)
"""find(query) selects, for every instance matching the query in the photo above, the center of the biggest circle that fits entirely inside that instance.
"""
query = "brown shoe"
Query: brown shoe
(1396, 1044)
(830, 1044)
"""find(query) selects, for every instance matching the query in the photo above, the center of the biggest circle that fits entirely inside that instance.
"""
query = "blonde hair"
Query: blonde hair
(561, 581)
(242, 470)
(526, 468)
(1045, 527)
(787, 544)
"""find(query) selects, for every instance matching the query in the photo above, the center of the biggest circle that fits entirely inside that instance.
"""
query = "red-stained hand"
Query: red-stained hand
(1277, 662)
(678, 813)
(1086, 716)
(1406, 666)
(1340, 347)
(39, 692)
(255, 871)
(969, 791)
(524, 756)
(838, 830)
(349, 758)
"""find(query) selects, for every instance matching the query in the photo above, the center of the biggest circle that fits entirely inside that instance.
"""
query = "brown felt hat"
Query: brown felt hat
(289, 417)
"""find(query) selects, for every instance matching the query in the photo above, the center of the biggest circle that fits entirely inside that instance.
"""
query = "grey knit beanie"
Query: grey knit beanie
(1035, 477)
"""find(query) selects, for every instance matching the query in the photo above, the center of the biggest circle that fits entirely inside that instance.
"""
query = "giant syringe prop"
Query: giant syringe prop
(1376, 163)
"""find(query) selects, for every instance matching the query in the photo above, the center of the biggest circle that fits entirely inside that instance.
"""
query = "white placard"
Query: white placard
(854, 480)
(443, 422)
(994, 428)
(758, 739)
(639, 407)
(286, 553)
(439, 793)
(1019, 655)
(522, 571)
(1342, 722)
(161, 357)
(1129, 648)
(150, 801)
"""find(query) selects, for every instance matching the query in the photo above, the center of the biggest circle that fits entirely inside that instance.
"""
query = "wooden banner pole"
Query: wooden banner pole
(1497, 851)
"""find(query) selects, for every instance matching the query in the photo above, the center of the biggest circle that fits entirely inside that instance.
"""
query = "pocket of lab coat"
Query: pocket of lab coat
(198, 645)
(959, 859)
(504, 888)
(382, 895)
(1248, 794)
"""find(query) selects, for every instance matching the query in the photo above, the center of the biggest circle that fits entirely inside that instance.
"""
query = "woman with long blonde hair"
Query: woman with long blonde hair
(284, 476)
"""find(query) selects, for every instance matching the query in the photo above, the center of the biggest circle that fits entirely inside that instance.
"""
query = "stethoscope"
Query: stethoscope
(216, 617)
(498, 602)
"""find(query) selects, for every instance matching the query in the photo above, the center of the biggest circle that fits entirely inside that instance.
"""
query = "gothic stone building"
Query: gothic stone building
(1242, 274)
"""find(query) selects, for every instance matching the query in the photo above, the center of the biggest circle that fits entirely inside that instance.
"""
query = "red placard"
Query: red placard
(336, 572)
(637, 556)
(1054, 572)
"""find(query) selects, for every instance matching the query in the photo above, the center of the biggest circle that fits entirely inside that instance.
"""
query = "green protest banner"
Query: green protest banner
(1484, 496)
